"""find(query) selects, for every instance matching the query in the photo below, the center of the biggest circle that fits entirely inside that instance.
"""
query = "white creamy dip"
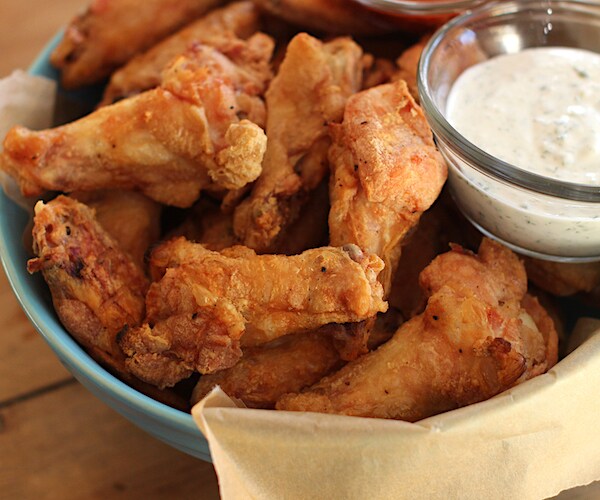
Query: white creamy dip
(538, 110)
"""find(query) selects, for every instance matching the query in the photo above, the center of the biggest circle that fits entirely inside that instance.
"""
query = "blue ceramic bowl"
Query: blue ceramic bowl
(174, 427)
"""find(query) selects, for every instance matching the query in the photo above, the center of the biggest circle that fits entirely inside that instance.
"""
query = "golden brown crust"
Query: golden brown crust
(110, 32)
(266, 372)
(546, 326)
(408, 64)
(143, 72)
(386, 171)
(308, 93)
(131, 218)
(96, 288)
(169, 142)
(563, 278)
(276, 294)
(468, 345)
(205, 340)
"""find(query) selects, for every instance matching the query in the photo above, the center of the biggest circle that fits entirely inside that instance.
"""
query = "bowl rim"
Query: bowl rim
(60, 341)
(477, 158)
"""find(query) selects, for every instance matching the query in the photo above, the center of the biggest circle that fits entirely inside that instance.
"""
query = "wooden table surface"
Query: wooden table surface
(56, 439)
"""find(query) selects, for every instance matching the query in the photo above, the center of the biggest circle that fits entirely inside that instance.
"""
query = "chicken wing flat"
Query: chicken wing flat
(467, 346)
(96, 288)
(131, 219)
(171, 349)
(276, 294)
(563, 278)
(309, 92)
(110, 32)
(143, 72)
(408, 66)
(386, 171)
(266, 372)
(329, 16)
(169, 142)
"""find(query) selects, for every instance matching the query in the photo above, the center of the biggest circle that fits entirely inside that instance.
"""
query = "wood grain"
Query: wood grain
(67, 444)
(56, 439)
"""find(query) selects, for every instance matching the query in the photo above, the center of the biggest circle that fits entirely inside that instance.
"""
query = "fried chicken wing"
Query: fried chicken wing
(467, 346)
(173, 348)
(110, 32)
(143, 72)
(437, 228)
(408, 65)
(563, 278)
(96, 288)
(266, 372)
(546, 325)
(308, 93)
(169, 142)
(276, 294)
(329, 16)
(386, 171)
(132, 219)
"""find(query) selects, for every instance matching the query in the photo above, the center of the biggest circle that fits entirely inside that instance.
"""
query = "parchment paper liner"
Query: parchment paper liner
(528, 443)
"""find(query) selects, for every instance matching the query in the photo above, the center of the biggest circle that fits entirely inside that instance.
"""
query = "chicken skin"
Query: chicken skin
(207, 304)
(143, 72)
(309, 92)
(386, 171)
(268, 371)
(205, 339)
(276, 294)
(110, 32)
(169, 142)
(563, 278)
(468, 345)
(96, 288)
(129, 217)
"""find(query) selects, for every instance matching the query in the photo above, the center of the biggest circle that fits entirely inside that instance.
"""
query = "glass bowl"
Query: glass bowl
(534, 215)
(420, 15)
(171, 426)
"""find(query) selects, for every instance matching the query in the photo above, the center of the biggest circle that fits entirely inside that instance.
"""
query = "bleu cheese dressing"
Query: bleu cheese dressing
(538, 110)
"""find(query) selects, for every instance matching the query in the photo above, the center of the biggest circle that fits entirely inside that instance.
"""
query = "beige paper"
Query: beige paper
(29, 101)
(528, 443)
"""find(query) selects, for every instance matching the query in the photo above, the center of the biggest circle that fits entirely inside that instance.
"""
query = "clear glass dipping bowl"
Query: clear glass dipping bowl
(532, 214)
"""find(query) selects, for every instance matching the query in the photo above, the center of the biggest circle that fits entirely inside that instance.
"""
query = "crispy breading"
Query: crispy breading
(96, 288)
(203, 340)
(110, 32)
(386, 171)
(143, 72)
(469, 344)
(131, 218)
(276, 294)
(169, 142)
(408, 65)
(308, 93)
(563, 278)
(266, 372)
(545, 324)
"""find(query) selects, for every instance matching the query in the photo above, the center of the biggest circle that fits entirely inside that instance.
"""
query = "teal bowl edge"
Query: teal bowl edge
(167, 424)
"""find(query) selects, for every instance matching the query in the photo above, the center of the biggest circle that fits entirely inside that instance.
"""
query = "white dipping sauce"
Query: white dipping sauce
(538, 110)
